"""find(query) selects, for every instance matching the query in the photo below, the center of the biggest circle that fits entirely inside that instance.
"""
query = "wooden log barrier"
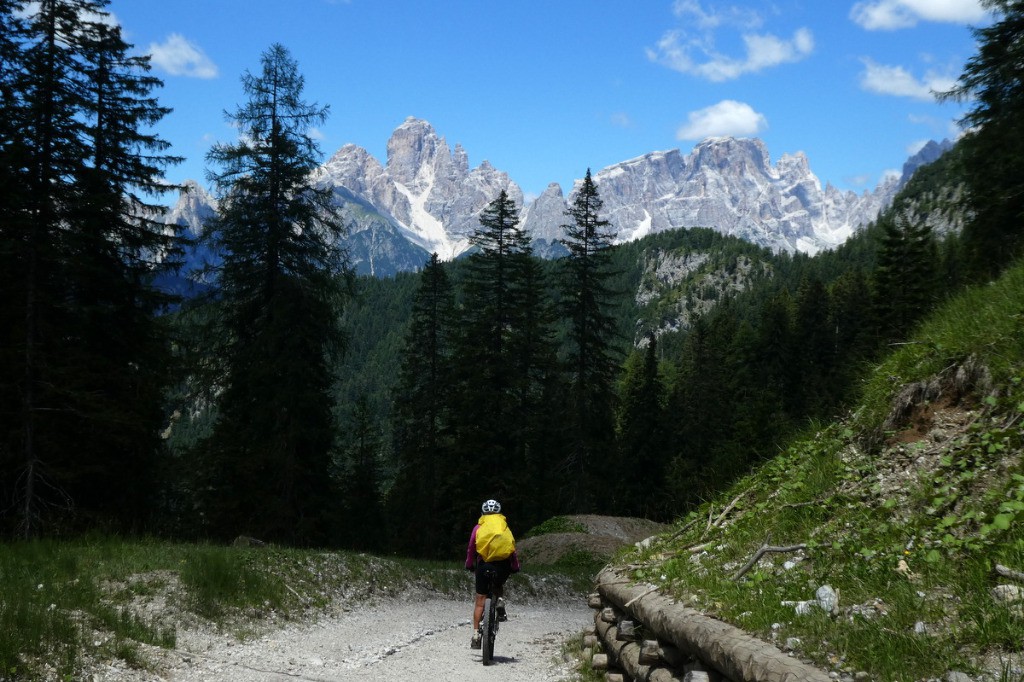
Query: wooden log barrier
(626, 654)
(736, 654)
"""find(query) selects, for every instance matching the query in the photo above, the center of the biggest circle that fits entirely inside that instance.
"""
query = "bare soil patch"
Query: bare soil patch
(604, 536)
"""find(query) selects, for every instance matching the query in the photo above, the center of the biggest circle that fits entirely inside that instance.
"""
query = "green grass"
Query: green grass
(955, 513)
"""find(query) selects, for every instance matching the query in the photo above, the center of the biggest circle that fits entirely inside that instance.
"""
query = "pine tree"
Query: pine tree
(586, 299)
(280, 286)
(993, 146)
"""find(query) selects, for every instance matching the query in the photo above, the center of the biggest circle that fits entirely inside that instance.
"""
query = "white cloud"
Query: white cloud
(896, 80)
(888, 15)
(179, 57)
(694, 13)
(621, 120)
(727, 118)
(763, 51)
(315, 133)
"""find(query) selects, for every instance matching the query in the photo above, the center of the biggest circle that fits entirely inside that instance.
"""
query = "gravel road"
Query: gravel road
(394, 640)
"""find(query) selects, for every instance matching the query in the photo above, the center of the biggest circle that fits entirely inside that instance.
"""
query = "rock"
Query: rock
(828, 599)
(953, 676)
(1007, 593)
(792, 643)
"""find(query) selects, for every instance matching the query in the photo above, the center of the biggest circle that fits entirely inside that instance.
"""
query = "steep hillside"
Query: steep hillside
(888, 545)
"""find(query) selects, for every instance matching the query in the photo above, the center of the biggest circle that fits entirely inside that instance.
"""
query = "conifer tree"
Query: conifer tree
(362, 516)
(81, 249)
(280, 286)
(641, 435)
(423, 418)
(814, 346)
(586, 299)
(504, 357)
(993, 146)
(905, 275)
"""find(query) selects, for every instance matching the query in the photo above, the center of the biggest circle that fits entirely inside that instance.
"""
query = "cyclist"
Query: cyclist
(491, 545)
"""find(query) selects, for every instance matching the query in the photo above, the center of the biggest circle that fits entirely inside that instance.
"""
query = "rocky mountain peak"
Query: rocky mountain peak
(426, 198)
(413, 146)
(194, 207)
(732, 154)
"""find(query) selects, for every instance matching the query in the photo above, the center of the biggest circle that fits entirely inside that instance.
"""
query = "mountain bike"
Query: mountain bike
(489, 622)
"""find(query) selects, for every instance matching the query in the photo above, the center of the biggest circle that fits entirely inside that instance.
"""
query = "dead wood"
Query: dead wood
(761, 552)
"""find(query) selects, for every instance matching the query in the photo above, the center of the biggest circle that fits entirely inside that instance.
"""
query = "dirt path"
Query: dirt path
(394, 641)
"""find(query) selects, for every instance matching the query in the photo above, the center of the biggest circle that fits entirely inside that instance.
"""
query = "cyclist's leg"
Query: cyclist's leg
(480, 587)
(478, 610)
(504, 570)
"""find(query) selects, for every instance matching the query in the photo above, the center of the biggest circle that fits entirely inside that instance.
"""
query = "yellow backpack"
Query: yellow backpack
(494, 540)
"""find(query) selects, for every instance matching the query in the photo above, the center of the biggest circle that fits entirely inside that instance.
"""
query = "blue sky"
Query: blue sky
(544, 89)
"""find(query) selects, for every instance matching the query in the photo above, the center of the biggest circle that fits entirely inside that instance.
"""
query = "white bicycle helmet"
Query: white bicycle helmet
(491, 507)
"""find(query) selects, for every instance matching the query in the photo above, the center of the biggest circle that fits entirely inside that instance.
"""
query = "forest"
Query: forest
(292, 402)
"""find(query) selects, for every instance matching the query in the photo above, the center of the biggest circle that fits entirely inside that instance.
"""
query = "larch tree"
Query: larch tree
(280, 285)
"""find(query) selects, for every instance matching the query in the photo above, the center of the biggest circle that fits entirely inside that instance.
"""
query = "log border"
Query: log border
(718, 646)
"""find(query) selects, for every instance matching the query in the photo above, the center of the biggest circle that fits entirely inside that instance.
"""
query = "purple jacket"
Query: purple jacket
(472, 556)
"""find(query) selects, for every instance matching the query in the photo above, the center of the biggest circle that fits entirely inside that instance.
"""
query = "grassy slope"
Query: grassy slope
(904, 507)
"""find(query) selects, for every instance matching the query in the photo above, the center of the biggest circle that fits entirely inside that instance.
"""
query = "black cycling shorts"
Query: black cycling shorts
(503, 569)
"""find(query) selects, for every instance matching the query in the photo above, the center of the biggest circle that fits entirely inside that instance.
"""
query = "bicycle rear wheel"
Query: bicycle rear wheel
(487, 625)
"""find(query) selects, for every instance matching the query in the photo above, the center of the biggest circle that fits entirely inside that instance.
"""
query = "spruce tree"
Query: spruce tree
(422, 418)
(592, 365)
(279, 288)
(81, 249)
(993, 146)
(905, 275)
(640, 436)
(361, 523)
(503, 358)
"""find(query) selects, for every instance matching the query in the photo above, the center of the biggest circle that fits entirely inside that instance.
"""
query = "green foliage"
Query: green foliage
(591, 359)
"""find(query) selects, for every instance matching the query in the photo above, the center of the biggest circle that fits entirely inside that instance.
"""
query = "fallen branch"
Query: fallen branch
(797, 505)
(682, 530)
(761, 552)
(728, 509)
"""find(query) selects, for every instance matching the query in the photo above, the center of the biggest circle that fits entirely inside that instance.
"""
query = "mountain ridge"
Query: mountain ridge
(427, 198)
